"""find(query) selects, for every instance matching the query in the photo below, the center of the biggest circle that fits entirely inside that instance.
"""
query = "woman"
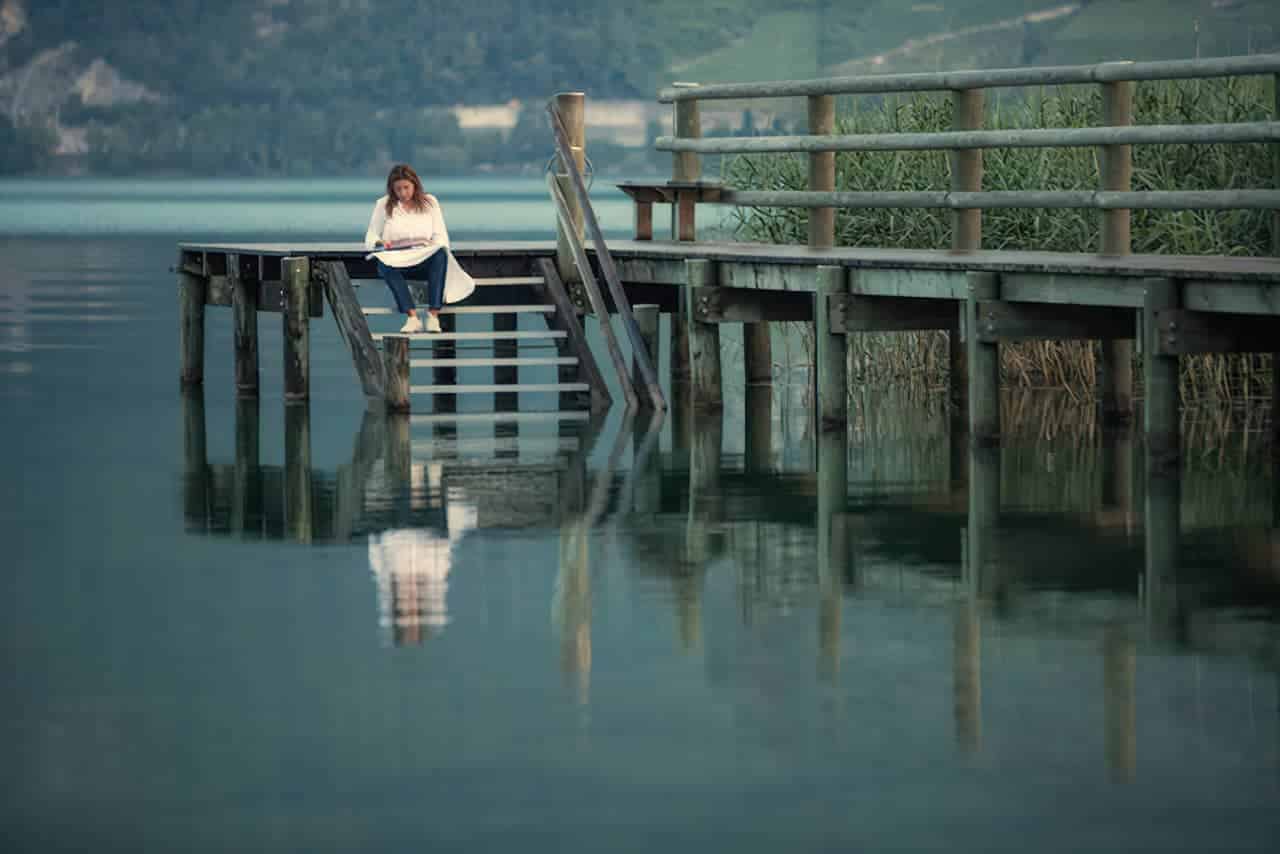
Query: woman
(410, 241)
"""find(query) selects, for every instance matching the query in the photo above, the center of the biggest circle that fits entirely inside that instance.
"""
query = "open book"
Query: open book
(421, 244)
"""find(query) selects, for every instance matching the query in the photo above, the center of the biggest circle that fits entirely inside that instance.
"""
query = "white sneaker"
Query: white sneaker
(413, 324)
(433, 323)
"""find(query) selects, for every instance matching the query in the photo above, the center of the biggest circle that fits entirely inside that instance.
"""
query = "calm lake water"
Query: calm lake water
(228, 627)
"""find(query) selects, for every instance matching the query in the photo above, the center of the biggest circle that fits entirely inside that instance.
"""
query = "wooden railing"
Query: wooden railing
(965, 143)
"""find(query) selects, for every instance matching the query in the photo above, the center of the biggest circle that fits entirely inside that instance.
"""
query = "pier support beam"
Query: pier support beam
(983, 359)
(704, 339)
(191, 297)
(757, 353)
(395, 362)
(243, 284)
(758, 427)
(297, 473)
(1160, 408)
(830, 352)
(297, 329)
(246, 509)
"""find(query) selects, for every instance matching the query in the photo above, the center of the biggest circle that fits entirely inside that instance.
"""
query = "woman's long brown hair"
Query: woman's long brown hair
(404, 172)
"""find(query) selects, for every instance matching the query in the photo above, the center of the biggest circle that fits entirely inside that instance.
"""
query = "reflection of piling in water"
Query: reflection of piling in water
(1118, 475)
(195, 478)
(1119, 666)
(246, 508)
(370, 443)
(297, 473)
(572, 606)
(1161, 519)
(834, 559)
(702, 524)
(759, 427)
(966, 675)
(982, 564)
(399, 450)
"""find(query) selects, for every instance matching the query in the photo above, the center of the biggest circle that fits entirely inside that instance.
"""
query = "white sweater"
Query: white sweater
(404, 225)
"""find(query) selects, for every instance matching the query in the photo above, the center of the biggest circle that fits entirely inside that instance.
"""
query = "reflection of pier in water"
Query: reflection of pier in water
(1132, 562)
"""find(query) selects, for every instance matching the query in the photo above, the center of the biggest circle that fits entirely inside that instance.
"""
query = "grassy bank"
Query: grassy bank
(920, 359)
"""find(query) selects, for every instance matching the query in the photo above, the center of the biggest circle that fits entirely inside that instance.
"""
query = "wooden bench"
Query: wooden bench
(683, 196)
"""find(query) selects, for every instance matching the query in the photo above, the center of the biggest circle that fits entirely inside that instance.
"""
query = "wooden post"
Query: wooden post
(831, 380)
(191, 297)
(966, 236)
(572, 108)
(822, 171)
(982, 530)
(399, 466)
(647, 319)
(395, 363)
(1160, 409)
(1161, 523)
(704, 338)
(246, 510)
(686, 166)
(983, 364)
(244, 309)
(297, 329)
(758, 428)
(297, 473)
(679, 366)
(644, 220)
(704, 485)
(966, 170)
(757, 353)
(1116, 381)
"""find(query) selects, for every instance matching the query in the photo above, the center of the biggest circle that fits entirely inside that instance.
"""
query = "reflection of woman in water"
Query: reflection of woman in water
(408, 233)
(411, 568)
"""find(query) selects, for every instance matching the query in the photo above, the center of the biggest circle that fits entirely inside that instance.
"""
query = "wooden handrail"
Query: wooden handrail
(640, 352)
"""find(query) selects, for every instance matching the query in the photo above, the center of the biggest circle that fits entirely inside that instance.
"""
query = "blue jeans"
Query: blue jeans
(432, 270)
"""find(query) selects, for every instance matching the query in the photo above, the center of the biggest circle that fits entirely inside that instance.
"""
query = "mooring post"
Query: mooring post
(572, 109)
(822, 171)
(984, 364)
(297, 329)
(830, 352)
(647, 320)
(297, 473)
(704, 338)
(191, 298)
(1160, 408)
(686, 166)
(243, 282)
(1116, 380)
(967, 113)
(395, 363)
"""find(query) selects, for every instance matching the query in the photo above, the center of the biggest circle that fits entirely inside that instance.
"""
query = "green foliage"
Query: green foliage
(921, 359)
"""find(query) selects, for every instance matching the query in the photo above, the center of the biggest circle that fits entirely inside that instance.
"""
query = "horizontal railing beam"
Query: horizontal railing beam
(1055, 199)
(1201, 134)
(1228, 66)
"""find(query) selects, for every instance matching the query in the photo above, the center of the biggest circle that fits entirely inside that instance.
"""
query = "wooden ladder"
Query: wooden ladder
(504, 347)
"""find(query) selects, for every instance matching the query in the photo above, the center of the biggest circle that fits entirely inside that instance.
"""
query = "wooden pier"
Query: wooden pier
(1169, 306)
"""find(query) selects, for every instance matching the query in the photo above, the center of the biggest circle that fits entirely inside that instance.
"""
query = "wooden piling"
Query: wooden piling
(679, 367)
(1161, 531)
(822, 171)
(299, 524)
(704, 338)
(191, 298)
(647, 317)
(1160, 408)
(399, 465)
(983, 363)
(244, 310)
(395, 364)
(757, 353)
(758, 428)
(833, 546)
(572, 109)
(297, 329)
(1116, 380)
(831, 379)
(704, 486)
(686, 167)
